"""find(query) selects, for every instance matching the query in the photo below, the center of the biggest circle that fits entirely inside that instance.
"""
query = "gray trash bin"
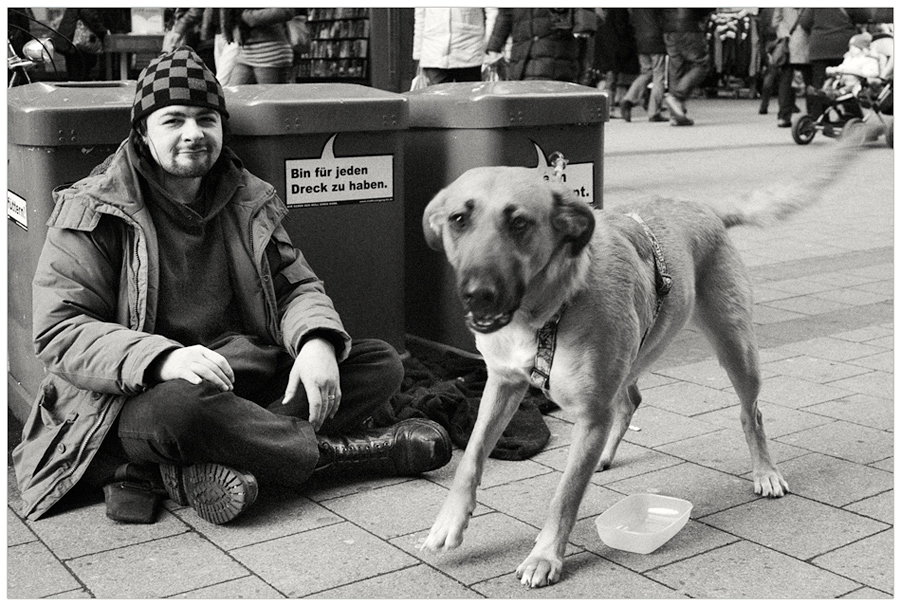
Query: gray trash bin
(56, 133)
(334, 154)
(455, 127)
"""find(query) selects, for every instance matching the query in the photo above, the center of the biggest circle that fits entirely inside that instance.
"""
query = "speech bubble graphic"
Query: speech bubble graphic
(578, 176)
(329, 180)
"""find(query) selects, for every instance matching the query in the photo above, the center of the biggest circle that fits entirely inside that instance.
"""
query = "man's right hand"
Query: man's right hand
(193, 364)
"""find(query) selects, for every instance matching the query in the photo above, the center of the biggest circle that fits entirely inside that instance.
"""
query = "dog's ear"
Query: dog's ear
(432, 219)
(573, 219)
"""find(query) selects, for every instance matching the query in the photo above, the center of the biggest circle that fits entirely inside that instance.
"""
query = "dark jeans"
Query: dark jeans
(688, 62)
(816, 104)
(456, 74)
(786, 92)
(250, 429)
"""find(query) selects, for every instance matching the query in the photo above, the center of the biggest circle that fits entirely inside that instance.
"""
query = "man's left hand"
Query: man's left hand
(316, 368)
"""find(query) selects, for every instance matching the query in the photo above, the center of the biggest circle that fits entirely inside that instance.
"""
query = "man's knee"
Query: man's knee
(380, 359)
(172, 408)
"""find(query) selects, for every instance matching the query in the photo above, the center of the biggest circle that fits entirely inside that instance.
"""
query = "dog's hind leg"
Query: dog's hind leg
(624, 406)
(723, 311)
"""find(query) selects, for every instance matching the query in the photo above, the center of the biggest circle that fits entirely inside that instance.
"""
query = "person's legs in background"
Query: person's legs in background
(637, 88)
(658, 87)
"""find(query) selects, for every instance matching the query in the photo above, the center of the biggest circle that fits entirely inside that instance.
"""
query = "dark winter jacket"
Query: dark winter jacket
(683, 20)
(65, 31)
(544, 43)
(95, 301)
(648, 33)
(830, 30)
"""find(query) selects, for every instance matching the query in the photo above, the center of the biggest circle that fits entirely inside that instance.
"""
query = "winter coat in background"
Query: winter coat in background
(647, 31)
(451, 38)
(95, 301)
(264, 25)
(799, 43)
(830, 30)
(544, 43)
(683, 20)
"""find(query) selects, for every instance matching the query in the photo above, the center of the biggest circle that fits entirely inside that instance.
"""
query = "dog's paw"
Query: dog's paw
(447, 531)
(539, 571)
(770, 484)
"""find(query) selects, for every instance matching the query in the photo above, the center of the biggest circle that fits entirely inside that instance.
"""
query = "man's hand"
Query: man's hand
(194, 364)
(316, 367)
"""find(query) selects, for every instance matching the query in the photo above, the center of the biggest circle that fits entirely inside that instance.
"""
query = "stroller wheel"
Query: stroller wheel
(803, 129)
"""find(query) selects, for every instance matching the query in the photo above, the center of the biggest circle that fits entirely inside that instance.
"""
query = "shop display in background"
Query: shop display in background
(340, 45)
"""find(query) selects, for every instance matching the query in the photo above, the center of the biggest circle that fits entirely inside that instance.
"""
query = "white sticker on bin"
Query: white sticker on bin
(17, 209)
(578, 176)
(328, 181)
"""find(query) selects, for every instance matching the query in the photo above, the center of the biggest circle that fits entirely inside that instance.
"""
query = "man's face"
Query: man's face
(185, 140)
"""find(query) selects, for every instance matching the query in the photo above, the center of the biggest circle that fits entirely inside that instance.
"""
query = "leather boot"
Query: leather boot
(217, 493)
(408, 448)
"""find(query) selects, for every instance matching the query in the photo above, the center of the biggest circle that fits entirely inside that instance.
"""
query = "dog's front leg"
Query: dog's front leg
(499, 402)
(544, 564)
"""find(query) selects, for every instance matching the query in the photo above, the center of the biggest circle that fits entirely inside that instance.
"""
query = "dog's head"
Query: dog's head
(500, 227)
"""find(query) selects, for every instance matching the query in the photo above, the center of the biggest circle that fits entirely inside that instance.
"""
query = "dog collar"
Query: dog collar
(540, 376)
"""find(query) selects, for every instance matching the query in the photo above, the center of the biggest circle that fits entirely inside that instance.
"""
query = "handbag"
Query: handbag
(421, 81)
(777, 52)
(85, 40)
(299, 35)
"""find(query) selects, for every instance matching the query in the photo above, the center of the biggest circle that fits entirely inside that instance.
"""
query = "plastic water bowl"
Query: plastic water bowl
(641, 523)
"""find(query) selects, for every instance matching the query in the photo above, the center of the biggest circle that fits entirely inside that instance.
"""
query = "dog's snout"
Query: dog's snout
(479, 294)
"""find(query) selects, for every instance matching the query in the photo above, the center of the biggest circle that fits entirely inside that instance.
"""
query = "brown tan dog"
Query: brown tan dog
(521, 248)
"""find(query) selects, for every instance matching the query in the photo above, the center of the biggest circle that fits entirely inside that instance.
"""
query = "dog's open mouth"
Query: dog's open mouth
(487, 324)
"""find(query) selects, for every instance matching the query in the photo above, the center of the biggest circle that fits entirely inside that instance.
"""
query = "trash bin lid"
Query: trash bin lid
(69, 113)
(506, 104)
(293, 109)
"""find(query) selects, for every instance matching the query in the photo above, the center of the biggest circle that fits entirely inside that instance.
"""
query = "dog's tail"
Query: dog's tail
(767, 206)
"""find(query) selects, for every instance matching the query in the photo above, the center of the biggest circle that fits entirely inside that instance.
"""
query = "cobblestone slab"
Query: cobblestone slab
(417, 583)
(156, 569)
(34, 572)
(403, 508)
(861, 409)
(869, 561)
(97, 533)
(631, 460)
(309, 562)
(272, 516)
(795, 525)
(834, 481)
(17, 532)
(585, 576)
(845, 441)
(745, 570)
(249, 587)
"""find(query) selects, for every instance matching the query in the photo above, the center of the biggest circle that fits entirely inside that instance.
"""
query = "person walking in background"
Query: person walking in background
(652, 58)
(786, 22)
(829, 31)
(264, 55)
(547, 43)
(450, 43)
(78, 63)
(686, 45)
(187, 341)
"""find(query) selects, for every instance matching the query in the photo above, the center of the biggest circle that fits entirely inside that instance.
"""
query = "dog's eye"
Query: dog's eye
(519, 225)
(457, 220)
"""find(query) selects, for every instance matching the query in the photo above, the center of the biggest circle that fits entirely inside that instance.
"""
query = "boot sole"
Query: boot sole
(217, 493)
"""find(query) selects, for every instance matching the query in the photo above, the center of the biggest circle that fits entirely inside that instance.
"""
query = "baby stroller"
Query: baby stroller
(858, 113)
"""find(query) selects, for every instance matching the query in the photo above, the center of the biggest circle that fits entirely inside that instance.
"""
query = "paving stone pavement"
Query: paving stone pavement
(824, 314)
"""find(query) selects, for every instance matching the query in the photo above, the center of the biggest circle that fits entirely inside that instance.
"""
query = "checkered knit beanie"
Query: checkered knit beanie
(178, 77)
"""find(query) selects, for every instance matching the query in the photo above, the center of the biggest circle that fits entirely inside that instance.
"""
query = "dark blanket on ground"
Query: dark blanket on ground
(446, 388)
